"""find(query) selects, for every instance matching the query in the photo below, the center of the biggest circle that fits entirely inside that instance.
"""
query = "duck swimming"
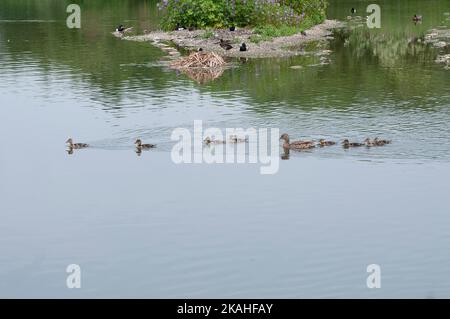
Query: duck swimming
(225, 45)
(368, 142)
(209, 141)
(346, 144)
(296, 145)
(141, 146)
(323, 143)
(243, 47)
(234, 139)
(379, 142)
(73, 145)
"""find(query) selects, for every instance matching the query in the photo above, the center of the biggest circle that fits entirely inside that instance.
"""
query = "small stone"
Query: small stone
(440, 44)
(296, 67)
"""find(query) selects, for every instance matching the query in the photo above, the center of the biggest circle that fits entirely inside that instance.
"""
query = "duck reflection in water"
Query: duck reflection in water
(285, 154)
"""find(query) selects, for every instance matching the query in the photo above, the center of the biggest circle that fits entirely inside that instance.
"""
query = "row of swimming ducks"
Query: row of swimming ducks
(304, 145)
(233, 139)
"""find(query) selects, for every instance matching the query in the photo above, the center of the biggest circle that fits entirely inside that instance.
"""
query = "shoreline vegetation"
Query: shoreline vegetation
(269, 28)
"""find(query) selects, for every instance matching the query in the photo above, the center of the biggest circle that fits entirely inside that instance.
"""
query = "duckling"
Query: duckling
(243, 47)
(323, 143)
(417, 18)
(347, 144)
(234, 139)
(368, 142)
(296, 145)
(379, 142)
(73, 145)
(225, 45)
(209, 141)
(141, 146)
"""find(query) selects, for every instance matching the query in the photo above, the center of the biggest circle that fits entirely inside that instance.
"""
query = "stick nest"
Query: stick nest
(199, 60)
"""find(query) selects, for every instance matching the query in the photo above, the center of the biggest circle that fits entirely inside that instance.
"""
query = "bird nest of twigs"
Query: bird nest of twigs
(201, 66)
(199, 60)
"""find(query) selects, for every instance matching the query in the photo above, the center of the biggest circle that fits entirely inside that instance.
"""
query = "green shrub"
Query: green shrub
(242, 13)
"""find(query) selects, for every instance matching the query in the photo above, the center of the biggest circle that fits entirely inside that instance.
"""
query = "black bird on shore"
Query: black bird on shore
(417, 18)
(122, 30)
(243, 47)
(200, 50)
(225, 45)
(233, 28)
(353, 10)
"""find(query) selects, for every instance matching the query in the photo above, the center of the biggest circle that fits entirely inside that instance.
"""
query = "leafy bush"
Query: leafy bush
(225, 13)
(192, 14)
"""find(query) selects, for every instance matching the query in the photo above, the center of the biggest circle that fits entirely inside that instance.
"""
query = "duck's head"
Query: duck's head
(207, 140)
(367, 141)
(233, 137)
(321, 141)
(69, 141)
(345, 142)
(285, 137)
(138, 142)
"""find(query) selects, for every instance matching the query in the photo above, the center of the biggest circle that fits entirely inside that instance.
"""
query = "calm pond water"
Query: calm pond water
(146, 227)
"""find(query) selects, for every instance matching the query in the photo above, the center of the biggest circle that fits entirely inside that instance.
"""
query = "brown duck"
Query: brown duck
(368, 142)
(73, 145)
(141, 146)
(234, 139)
(209, 141)
(323, 143)
(225, 45)
(346, 144)
(296, 145)
(380, 142)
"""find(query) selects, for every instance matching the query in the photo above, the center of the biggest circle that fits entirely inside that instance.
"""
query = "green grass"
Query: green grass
(208, 34)
(267, 32)
(256, 38)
